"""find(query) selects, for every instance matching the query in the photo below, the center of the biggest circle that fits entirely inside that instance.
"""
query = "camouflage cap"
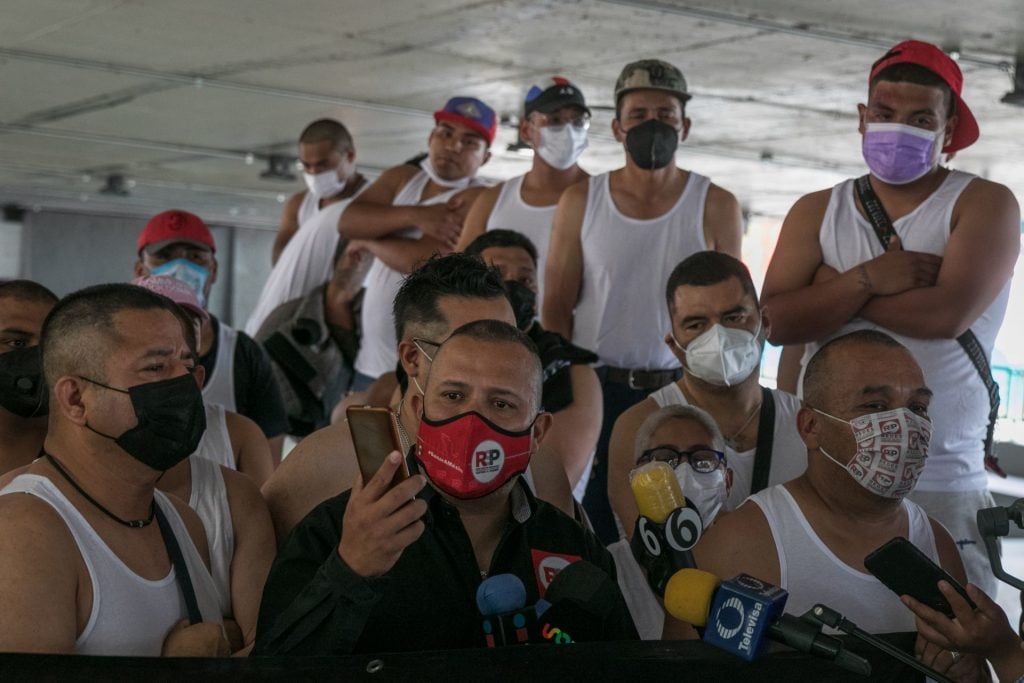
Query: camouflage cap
(651, 74)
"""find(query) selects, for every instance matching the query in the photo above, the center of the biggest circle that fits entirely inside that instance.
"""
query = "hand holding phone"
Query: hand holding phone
(905, 570)
(374, 436)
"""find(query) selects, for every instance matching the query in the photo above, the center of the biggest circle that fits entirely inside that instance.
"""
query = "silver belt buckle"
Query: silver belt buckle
(631, 381)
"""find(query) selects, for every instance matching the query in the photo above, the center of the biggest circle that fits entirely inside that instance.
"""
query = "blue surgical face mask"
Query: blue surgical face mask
(193, 275)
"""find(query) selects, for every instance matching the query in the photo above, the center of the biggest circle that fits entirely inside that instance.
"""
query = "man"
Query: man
(238, 374)
(718, 333)
(381, 569)
(571, 392)
(308, 236)
(441, 295)
(555, 123)
(865, 425)
(83, 569)
(927, 287)
(614, 241)
(23, 307)
(687, 439)
(410, 213)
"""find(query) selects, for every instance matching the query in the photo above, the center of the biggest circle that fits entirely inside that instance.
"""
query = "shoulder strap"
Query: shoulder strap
(181, 575)
(880, 220)
(765, 441)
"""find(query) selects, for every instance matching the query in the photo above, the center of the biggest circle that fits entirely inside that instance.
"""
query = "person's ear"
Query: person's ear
(620, 135)
(728, 480)
(671, 343)
(66, 396)
(541, 426)
(213, 275)
(487, 157)
(862, 112)
(807, 422)
(416, 404)
(947, 136)
(766, 324)
(685, 132)
(199, 372)
(410, 357)
(140, 268)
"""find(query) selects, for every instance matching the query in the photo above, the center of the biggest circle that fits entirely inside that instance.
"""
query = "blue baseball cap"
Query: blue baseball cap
(472, 113)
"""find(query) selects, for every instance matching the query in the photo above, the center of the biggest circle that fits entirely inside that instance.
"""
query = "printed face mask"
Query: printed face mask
(560, 146)
(898, 154)
(524, 303)
(652, 144)
(325, 184)
(706, 490)
(892, 447)
(22, 390)
(468, 456)
(171, 421)
(723, 356)
(193, 275)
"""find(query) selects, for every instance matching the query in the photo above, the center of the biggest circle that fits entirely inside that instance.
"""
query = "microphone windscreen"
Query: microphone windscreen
(688, 595)
(656, 491)
(500, 593)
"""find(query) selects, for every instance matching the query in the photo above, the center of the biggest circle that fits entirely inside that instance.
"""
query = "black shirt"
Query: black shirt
(557, 355)
(256, 393)
(314, 604)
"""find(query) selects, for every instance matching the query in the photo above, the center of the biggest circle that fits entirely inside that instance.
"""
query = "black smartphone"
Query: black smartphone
(374, 435)
(905, 570)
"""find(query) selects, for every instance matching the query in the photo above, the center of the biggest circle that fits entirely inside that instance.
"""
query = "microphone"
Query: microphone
(741, 615)
(668, 526)
(501, 600)
(994, 523)
(583, 604)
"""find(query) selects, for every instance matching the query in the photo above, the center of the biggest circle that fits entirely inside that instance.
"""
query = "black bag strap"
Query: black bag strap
(968, 341)
(765, 442)
(181, 575)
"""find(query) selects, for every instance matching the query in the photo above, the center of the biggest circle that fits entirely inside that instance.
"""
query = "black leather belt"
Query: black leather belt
(639, 379)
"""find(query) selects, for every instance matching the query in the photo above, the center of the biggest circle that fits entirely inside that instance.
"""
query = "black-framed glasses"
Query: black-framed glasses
(702, 460)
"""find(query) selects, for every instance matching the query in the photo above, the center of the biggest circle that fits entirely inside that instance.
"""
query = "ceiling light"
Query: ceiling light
(279, 167)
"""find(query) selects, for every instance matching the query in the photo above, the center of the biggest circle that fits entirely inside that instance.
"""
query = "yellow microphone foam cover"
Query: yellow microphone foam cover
(688, 595)
(656, 491)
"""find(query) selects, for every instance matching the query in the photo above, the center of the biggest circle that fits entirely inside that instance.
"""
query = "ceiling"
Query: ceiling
(187, 99)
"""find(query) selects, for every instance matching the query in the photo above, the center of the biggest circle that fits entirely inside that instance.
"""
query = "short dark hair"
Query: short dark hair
(501, 332)
(27, 290)
(327, 130)
(706, 268)
(71, 329)
(818, 375)
(458, 274)
(914, 73)
(502, 238)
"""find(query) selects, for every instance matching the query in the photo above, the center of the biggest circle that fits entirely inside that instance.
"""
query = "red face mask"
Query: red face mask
(467, 456)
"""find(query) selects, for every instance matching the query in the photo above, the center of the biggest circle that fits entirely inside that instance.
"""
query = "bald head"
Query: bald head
(841, 361)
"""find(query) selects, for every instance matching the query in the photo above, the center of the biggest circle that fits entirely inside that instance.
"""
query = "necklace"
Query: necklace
(731, 440)
(132, 523)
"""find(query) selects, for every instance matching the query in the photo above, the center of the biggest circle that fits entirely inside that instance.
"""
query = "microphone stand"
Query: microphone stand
(829, 617)
(993, 523)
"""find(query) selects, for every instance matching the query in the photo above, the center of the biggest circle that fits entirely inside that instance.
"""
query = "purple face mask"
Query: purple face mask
(899, 154)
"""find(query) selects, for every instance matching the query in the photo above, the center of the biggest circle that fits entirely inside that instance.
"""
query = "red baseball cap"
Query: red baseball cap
(175, 226)
(938, 62)
(175, 290)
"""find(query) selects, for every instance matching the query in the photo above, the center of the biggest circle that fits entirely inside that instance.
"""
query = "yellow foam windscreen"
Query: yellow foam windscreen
(688, 595)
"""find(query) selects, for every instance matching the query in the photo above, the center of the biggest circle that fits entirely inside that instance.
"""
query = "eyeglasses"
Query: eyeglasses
(702, 460)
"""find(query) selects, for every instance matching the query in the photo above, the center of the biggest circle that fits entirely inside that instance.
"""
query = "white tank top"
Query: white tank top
(813, 574)
(306, 262)
(959, 406)
(627, 261)
(647, 612)
(378, 350)
(216, 442)
(209, 498)
(789, 454)
(512, 213)
(220, 385)
(130, 615)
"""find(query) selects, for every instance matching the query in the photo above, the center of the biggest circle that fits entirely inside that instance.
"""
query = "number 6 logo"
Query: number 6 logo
(650, 539)
(683, 528)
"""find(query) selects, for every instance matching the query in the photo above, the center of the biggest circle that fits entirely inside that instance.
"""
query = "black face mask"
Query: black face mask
(22, 390)
(524, 303)
(171, 418)
(652, 144)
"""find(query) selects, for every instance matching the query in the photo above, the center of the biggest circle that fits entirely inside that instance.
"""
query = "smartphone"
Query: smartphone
(905, 570)
(374, 435)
